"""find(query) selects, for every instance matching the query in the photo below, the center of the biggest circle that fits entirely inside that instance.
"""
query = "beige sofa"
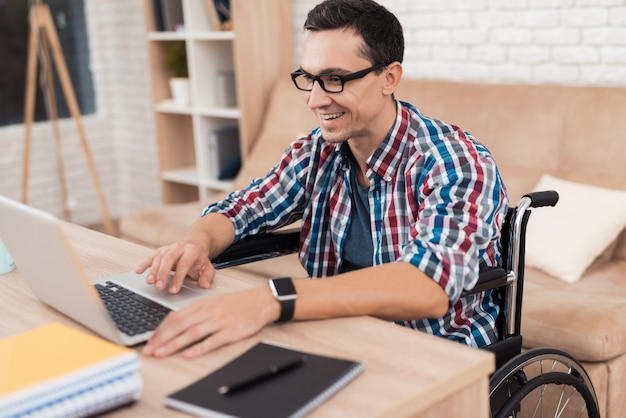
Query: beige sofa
(574, 133)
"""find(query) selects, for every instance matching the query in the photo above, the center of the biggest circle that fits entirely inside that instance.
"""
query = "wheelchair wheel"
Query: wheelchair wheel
(542, 382)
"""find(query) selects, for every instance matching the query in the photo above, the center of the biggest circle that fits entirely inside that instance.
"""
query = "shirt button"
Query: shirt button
(388, 178)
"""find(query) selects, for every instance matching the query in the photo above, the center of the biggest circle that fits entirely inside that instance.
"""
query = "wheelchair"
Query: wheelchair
(540, 382)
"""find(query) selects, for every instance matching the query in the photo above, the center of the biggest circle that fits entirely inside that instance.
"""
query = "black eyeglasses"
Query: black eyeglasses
(330, 83)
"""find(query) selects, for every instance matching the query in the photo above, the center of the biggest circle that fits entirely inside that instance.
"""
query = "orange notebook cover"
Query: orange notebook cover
(54, 362)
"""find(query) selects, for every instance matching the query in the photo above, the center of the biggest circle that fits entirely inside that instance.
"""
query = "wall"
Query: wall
(121, 38)
(120, 135)
(581, 42)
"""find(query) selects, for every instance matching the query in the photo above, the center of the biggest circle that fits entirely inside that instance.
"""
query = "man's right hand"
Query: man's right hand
(185, 258)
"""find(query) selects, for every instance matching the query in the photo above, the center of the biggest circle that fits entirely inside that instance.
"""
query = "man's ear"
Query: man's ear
(393, 75)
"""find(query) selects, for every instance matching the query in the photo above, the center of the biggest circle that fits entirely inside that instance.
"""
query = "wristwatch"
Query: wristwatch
(285, 293)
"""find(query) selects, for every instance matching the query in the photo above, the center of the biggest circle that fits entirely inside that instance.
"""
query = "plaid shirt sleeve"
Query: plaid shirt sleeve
(461, 203)
(271, 202)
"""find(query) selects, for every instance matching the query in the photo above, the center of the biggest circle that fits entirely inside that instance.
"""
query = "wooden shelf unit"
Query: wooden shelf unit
(257, 51)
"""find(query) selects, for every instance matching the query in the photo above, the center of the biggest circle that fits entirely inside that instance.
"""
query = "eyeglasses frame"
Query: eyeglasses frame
(343, 78)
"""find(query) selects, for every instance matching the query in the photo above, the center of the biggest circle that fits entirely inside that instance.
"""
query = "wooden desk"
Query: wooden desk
(407, 373)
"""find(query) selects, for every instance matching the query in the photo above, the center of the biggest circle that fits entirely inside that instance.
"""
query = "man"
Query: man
(399, 208)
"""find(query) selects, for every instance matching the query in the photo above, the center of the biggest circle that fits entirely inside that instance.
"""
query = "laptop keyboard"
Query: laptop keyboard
(132, 313)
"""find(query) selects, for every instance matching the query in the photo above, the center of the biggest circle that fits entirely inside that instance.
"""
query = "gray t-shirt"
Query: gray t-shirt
(358, 251)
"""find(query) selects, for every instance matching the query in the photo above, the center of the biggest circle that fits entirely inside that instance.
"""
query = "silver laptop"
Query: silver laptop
(45, 259)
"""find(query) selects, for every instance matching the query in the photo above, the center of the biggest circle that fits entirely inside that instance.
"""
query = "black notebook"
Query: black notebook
(304, 382)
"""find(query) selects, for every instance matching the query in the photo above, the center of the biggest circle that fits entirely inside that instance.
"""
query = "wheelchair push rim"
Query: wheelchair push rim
(542, 382)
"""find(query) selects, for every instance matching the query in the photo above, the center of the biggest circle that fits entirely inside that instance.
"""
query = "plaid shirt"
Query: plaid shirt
(436, 201)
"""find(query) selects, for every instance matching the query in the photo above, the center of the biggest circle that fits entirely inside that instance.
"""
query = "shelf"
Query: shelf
(169, 106)
(213, 36)
(189, 176)
(231, 75)
(222, 185)
(195, 36)
(167, 36)
(219, 112)
(185, 175)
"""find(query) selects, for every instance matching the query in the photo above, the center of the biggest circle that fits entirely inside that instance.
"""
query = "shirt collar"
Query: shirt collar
(385, 160)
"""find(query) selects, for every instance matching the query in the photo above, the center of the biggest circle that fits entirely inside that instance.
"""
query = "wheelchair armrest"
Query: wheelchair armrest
(489, 278)
(259, 247)
(284, 242)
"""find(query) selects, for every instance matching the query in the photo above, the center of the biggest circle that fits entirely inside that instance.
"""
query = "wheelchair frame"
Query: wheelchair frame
(518, 375)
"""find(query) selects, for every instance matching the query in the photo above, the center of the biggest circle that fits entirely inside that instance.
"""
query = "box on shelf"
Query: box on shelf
(224, 156)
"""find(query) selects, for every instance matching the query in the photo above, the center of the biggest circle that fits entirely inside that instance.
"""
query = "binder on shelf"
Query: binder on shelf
(224, 158)
(219, 15)
(172, 12)
(158, 16)
(55, 370)
(300, 387)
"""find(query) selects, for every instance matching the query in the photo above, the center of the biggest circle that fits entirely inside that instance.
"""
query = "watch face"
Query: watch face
(285, 292)
(284, 286)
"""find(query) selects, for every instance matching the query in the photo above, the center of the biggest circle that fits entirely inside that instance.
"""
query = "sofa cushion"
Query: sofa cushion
(592, 138)
(510, 120)
(164, 225)
(563, 241)
(287, 118)
(584, 318)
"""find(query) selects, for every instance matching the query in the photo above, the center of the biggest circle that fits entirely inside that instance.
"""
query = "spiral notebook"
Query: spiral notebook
(293, 392)
(58, 371)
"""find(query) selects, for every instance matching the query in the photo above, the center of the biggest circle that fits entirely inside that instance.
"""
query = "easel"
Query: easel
(42, 30)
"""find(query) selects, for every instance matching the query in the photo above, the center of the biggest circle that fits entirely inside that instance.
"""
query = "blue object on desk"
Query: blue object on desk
(6, 261)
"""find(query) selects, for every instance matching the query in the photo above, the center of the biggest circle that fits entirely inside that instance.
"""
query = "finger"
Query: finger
(151, 277)
(168, 261)
(205, 279)
(210, 343)
(177, 331)
(153, 274)
(141, 267)
(186, 261)
(153, 262)
(169, 328)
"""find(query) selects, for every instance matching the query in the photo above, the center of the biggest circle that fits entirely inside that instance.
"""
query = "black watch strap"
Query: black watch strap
(285, 293)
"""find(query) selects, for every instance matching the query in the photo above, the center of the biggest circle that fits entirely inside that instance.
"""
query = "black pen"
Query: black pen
(271, 371)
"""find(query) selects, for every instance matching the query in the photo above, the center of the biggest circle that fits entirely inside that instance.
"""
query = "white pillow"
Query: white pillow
(564, 240)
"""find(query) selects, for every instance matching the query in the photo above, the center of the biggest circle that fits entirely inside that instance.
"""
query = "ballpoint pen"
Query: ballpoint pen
(258, 376)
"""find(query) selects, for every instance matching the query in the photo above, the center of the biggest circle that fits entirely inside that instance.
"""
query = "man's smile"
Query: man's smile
(331, 116)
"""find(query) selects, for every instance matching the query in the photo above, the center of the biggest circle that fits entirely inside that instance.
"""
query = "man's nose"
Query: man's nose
(317, 96)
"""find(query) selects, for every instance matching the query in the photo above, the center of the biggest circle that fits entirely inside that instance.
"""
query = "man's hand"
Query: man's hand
(186, 257)
(212, 322)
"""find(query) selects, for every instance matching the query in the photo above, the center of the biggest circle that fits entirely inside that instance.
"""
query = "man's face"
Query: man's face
(355, 112)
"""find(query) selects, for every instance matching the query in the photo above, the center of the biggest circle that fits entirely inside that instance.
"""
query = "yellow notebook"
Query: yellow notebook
(54, 364)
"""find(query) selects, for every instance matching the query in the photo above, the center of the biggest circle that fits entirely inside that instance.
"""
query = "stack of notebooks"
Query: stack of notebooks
(57, 371)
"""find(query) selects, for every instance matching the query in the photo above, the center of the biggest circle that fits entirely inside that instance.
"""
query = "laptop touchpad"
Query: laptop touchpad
(185, 297)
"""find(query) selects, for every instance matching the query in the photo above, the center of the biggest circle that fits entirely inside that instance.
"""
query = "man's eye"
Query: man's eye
(308, 77)
(334, 79)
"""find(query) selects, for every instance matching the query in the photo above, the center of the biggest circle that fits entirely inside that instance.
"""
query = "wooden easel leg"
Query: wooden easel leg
(45, 20)
(29, 102)
(54, 118)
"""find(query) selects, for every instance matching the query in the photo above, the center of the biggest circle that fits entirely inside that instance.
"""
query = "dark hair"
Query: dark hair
(379, 28)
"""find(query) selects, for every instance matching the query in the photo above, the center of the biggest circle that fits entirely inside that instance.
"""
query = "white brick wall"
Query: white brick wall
(120, 135)
(580, 42)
